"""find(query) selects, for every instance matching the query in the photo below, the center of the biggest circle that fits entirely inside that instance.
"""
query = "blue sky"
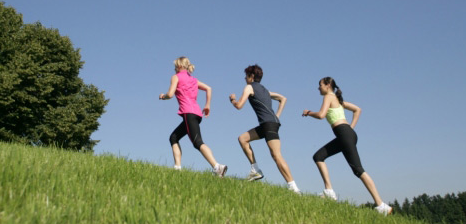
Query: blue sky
(402, 62)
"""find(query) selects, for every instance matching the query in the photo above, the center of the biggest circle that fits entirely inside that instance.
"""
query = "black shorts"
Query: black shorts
(268, 130)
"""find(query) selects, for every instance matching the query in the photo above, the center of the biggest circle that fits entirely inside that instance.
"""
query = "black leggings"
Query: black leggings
(345, 142)
(190, 126)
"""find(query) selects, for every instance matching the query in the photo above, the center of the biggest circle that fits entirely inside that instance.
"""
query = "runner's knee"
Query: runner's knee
(173, 139)
(318, 157)
(197, 143)
(243, 139)
(358, 171)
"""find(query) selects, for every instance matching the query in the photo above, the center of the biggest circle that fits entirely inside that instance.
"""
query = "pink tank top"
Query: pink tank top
(186, 94)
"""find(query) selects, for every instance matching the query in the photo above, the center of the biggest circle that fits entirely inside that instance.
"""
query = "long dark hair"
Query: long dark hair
(333, 84)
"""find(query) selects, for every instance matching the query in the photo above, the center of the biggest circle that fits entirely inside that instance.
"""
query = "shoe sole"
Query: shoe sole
(328, 197)
(256, 178)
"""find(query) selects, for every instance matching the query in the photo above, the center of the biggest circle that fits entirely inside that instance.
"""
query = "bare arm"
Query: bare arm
(171, 89)
(356, 112)
(242, 100)
(208, 91)
(323, 109)
(282, 101)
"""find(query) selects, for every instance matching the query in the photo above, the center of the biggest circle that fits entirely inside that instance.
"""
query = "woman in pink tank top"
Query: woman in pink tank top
(185, 87)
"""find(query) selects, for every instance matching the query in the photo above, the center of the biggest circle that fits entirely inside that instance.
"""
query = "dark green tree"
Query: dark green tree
(438, 206)
(396, 207)
(42, 98)
(405, 207)
(420, 208)
(462, 202)
(453, 212)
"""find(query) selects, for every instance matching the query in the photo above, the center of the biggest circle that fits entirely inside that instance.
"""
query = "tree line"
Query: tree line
(42, 98)
(433, 209)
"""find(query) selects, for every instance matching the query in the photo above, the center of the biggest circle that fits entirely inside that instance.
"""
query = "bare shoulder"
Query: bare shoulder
(332, 100)
(248, 87)
(248, 90)
(351, 106)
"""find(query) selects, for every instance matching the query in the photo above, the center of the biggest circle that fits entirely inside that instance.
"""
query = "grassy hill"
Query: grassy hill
(46, 185)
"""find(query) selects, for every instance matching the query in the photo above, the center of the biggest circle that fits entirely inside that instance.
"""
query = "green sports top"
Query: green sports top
(335, 114)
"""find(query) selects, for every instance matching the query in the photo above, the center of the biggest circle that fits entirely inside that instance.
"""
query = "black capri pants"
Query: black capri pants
(345, 142)
(190, 126)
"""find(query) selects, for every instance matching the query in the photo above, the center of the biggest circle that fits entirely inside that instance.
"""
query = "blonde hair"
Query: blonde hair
(183, 63)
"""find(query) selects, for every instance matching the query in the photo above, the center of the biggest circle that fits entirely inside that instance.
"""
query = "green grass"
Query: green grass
(46, 185)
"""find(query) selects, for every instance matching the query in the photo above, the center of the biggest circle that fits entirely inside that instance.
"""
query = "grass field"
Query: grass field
(47, 185)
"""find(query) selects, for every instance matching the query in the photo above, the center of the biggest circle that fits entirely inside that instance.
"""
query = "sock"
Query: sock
(177, 167)
(293, 185)
(255, 167)
(381, 205)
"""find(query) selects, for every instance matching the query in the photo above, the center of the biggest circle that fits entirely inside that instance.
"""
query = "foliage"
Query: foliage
(42, 99)
(433, 209)
(49, 185)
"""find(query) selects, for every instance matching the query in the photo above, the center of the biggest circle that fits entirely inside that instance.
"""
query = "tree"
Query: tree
(42, 99)
(396, 207)
(420, 208)
(453, 212)
(405, 208)
(462, 202)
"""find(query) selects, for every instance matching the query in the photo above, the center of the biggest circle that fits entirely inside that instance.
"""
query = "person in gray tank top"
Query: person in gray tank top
(261, 101)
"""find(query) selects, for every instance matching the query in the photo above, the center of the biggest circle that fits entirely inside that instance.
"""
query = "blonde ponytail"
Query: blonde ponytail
(183, 63)
(190, 68)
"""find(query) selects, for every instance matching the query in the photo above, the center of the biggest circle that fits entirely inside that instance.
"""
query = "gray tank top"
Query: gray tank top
(261, 102)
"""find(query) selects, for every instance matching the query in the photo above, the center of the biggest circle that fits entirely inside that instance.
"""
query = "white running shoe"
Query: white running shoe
(329, 193)
(295, 190)
(384, 209)
(253, 175)
(177, 167)
(222, 169)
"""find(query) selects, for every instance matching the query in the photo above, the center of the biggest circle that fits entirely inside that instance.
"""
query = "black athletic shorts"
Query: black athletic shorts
(268, 130)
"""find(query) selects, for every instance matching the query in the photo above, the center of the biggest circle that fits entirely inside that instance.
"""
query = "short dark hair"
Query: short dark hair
(255, 70)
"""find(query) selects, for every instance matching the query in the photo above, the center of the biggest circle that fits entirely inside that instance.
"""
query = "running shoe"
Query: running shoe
(222, 169)
(253, 175)
(295, 190)
(329, 193)
(384, 209)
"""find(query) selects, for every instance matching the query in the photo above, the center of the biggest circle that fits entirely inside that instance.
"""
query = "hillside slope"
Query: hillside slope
(46, 185)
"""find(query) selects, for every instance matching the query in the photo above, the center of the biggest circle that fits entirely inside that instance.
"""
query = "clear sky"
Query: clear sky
(402, 62)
